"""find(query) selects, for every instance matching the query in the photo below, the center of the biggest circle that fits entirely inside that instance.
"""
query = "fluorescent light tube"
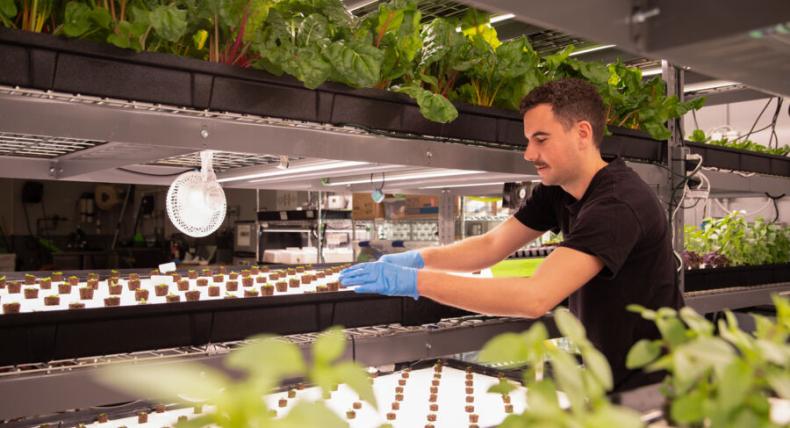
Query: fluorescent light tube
(323, 166)
(449, 186)
(415, 176)
(591, 49)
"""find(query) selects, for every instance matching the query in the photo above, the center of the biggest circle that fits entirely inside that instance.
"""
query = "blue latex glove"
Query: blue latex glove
(412, 259)
(382, 278)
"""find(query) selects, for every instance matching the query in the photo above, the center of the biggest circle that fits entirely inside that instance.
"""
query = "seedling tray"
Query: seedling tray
(740, 276)
(741, 160)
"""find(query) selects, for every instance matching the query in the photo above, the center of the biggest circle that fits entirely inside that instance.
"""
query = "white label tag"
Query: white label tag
(167, 267)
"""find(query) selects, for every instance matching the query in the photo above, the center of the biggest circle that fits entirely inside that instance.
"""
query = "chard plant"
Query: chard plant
(718, 377)
(267, 361)
(585, 387)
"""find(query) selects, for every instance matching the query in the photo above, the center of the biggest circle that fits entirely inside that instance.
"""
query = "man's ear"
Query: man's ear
(585, 132)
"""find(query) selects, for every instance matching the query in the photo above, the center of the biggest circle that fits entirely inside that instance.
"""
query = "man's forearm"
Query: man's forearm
(516, 297)
(468, 255)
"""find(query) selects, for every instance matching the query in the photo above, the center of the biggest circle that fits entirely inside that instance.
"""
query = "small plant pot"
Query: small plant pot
(64, 288)
(267, 290)
(233, 275)
(141, 294)
(112, 301)
(45, 283)
(31, 293)
(247, 281)
(57, 276)
(281, 286)
(133, 284)
(333, 285)
(161, 289)
(300, 269)
(232, 285)
(73, 280)
(11, 308)
(183, 285)
(245, 272)
(86, 293)
(294, 282)
(14, 287)
(93, 283)
(254, 270)
(321, 289)
(134, 276)
(192, 295)
(173, 298)
(30, 279)
(202, 282)
(261, 279)
(93, 275)
(176, 276)
(76, 305)
(213, 290)
(192, 274)
(218, 278)
(250, 292)
(51, 300)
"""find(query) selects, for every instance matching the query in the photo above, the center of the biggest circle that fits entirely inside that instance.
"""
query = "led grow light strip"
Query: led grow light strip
(463, 185)
(591, 49)
(415, 176)
(323, 166)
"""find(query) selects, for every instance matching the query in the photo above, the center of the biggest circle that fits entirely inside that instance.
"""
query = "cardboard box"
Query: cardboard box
(363, 207)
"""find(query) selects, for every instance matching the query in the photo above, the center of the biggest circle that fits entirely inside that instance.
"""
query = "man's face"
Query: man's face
(553, 150)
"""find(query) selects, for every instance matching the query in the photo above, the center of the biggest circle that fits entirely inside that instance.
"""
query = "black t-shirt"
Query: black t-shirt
(619, 220)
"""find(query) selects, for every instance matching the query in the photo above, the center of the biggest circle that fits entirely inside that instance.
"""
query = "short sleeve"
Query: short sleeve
(609, 230)
(538, 212)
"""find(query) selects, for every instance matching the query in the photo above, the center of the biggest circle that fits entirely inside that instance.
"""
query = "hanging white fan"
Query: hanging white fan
(195, 201)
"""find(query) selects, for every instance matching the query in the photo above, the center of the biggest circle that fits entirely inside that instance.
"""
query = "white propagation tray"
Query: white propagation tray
(128, 296)
(414, 408)
(307, 255)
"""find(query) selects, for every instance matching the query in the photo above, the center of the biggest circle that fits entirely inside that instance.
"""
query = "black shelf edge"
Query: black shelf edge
(53, 335)
(741, 160)
(46, 62)
(739, 276)
(303, 215)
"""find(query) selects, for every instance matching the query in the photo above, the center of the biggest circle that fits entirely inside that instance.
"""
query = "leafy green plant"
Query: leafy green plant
(698, 136)
(267, 361)
(585, 387)
(740, 242)
(718, 380)
(8, 11)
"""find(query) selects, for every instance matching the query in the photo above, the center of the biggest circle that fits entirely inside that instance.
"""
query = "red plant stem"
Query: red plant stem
(384, 28)
(231, 58)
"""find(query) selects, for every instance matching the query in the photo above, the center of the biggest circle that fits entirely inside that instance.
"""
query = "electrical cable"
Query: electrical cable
(754, 125)
(775, 200)
(148, 174)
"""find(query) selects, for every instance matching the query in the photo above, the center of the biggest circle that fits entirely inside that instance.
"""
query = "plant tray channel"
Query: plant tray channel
(739, 276)
(741, 160)
(52, 335)
(46, 62)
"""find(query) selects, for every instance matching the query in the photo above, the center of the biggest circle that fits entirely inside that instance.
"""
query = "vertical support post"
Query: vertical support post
(676, 155)
(257, 229)
(320, 229)
(353, 240)
(446, 218)
(463, 219)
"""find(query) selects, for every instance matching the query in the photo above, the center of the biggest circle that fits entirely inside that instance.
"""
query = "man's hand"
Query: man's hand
(412, 259)
(382, 278)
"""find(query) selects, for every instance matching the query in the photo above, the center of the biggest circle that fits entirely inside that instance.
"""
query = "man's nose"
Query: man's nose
(530, 155)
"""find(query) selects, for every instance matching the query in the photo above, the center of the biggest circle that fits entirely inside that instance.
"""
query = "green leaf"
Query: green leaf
(688, 408)
(542, 398)
(735, 385)
(8, 8)
(434, 107)
(77, 18)
(358, 65)
(672, 330)
(329, 346)
(309, 66)
(612, 416)
(647, 314)
(169, 22)
(780, 382)
(268, 358)
(502, 387)
(310, 414)
(598, 366)
(696, 322)
(357, 379)
(642, 353)
(569, 378)
(569, 326)
(504, 348)
(178, 382)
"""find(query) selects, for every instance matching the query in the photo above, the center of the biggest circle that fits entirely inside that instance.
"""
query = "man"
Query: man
(616, 249)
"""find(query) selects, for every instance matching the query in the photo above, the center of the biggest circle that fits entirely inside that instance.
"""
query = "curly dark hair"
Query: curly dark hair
(571, 100)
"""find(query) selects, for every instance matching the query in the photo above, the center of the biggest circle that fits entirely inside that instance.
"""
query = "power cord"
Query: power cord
(148, 174)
